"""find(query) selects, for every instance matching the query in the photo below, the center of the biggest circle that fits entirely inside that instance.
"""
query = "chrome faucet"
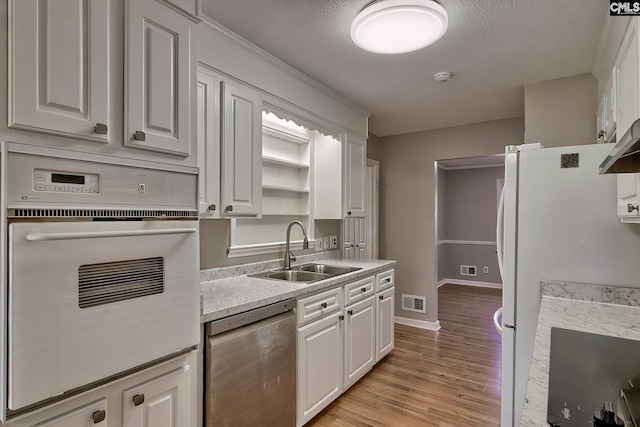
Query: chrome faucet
(288, 256)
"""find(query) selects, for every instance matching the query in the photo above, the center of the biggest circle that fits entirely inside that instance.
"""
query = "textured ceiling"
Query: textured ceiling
(492, 47)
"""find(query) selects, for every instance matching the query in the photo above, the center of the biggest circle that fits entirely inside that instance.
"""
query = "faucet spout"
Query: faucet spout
(288, 256)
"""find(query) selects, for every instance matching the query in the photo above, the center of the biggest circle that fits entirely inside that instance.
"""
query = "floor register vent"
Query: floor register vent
(414, 303)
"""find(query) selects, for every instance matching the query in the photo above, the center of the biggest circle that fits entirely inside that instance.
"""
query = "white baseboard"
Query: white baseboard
(422, 324)
(470, 283)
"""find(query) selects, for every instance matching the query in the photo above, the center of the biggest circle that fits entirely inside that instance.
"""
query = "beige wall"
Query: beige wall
(407, 198)
(373, 147)
(214, 241)
(561, 112)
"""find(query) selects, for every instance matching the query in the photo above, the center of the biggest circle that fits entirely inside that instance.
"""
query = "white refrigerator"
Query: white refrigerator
(558, 222)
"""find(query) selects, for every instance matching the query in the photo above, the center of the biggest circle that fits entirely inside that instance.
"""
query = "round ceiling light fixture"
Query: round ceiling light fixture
(399, 26)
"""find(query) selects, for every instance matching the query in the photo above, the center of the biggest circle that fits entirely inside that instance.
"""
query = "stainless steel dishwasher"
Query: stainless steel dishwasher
(250, 368)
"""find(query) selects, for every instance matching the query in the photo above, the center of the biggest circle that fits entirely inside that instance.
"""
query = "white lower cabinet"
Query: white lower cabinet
(319, 365)
(359, 340)
(93, 414)
(160, 402)
(342, 333)
(162, 396)
(384, 322)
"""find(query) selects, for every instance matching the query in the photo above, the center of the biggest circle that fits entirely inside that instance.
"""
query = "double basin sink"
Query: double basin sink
(305, 273)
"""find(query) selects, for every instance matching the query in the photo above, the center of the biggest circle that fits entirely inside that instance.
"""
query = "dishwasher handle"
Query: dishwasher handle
(248, 317)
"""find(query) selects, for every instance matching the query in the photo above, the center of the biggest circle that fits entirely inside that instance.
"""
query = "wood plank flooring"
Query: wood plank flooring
(447, 379)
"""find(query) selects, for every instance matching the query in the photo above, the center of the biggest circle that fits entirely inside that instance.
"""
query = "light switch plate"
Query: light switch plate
(333, 241)
(319, 243)
(326, 242)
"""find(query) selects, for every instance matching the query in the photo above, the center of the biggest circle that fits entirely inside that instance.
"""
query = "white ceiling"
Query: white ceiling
(492, 47)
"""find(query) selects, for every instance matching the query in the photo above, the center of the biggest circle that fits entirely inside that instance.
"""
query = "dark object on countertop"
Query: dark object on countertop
(607, 417)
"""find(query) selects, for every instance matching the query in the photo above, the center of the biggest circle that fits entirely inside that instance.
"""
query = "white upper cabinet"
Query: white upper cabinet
(628, 197)
(241, 151)
(208, 133)
(159, 63)
(626, 68)
(59, 68)
(355, 169)
(609, 112)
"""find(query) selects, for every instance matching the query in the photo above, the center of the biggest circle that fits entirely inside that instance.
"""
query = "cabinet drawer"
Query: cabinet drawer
(316, 306)
(358, 290)
(384, 280)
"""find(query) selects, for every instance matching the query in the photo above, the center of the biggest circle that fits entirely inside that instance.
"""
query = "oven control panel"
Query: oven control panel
(65, 182)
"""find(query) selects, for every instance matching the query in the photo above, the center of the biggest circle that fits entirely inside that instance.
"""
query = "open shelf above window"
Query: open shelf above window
(284, 162)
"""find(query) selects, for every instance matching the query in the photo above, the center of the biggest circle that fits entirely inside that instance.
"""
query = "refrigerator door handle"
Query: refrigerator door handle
(500, 235)
(496, 320)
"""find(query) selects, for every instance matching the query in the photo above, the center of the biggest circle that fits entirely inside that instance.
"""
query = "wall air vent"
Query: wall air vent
(468, 270)
(414, 303)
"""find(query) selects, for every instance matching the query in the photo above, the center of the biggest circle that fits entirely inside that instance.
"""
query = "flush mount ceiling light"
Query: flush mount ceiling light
(399, 26)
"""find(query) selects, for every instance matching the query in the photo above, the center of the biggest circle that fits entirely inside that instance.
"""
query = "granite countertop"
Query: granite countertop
(576, 307)
(227, 296)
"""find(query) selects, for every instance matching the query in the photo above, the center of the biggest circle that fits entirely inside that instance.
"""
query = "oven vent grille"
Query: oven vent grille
(100, 213)
(109, 282)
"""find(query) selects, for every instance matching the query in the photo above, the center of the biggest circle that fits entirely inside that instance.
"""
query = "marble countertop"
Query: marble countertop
(620, 319)
(225, 297)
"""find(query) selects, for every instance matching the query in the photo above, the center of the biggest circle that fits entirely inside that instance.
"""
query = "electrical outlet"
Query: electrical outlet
(333, 241)
(319, 243)
(486, 269)
(326, 242)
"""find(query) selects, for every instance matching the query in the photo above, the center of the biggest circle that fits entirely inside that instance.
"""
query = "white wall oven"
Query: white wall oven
(102, 271)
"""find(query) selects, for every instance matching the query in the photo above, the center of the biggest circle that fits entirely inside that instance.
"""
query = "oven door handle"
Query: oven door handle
(38, 237)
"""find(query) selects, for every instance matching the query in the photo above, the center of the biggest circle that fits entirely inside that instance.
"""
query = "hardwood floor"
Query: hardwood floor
(447, 379)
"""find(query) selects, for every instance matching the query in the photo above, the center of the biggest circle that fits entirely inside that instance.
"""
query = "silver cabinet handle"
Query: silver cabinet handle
(212, 207)
(100, 129)
(37, 237)
(99, 416)
(229, 208)
(138, 399)
(323, 305)
(631, 208)
(139, 135)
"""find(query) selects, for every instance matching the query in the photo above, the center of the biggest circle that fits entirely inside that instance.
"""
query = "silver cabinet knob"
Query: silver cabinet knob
(380, 297)
(631, 208)
(323, 305)
(350, 312)
(341, 317)
(229, 208)
(348, 212)
(212, 207)
(139, 135)
(100, 129)
(99, 416)
(138, 399)
(363, 290)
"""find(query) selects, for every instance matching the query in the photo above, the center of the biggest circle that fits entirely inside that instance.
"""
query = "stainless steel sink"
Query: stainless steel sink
(331, 270)
(305, 273)
(297, 276)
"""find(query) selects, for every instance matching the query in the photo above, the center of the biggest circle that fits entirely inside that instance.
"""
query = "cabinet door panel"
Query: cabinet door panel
(320, 355)
(626, 74)
(161, 402)
(241, 151)
(208, 111)
(81, 417)
(58, 67)
(158, 76)
(348, 246)
(360, 238)
(359, 339)
(384, 323)
(627, 190)
(355, 175)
